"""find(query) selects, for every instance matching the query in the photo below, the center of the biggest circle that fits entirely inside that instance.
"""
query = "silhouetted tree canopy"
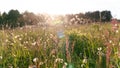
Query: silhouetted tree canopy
(96, 16)
(14, 18)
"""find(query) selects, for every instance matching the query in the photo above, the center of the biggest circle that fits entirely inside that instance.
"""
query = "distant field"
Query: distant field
(75, 46)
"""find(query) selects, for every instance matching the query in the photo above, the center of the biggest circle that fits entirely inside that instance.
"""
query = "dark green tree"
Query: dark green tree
(12, 17)
(4, 20)
(106, 16)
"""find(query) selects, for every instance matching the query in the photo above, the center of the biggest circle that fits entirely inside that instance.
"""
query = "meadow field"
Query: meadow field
(76, 46)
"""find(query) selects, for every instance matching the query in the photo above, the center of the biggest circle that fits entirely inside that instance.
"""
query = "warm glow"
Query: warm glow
(61, 6)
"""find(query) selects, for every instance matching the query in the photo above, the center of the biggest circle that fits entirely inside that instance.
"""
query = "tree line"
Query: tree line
(14, 19)
(90, 17)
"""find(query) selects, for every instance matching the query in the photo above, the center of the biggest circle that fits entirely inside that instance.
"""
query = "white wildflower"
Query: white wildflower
(32, 66)
(116, 25)
(34, 43)
(41, 63)
(35, 60)
(110, 41)
(59, 60)
(20, 39)
(65, 63)
(6, 40)
(82, 65)
(85, 60)
(26, 42)
(113, 44)
(99, 49)
(117, 31)
(16, 36)
(1, 57)
(10, 66)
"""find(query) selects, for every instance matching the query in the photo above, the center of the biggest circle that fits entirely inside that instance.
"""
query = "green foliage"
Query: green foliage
(42, 48)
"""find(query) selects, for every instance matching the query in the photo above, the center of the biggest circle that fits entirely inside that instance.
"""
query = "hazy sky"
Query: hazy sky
(61, 6)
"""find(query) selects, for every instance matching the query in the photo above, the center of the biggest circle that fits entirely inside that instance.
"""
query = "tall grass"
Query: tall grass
(84, 46)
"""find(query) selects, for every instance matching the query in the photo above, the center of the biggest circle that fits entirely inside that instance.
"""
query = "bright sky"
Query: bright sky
(61, 6)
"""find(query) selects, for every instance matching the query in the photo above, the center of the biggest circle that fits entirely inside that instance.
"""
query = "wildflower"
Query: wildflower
(35, 60)
(85, 60)
(100, 53)
(16, 36)
(32, 66)
(99, 49)
(20, 39)
(10, 66)
(26, 42)
(1, 57)
(11, 43)
(6, 40)
(82, 65)
(110, 41)
(41, 63)
(113, 44)
(117, 31)
(14, 55)
(103, 35)
(34, 43)
(21, 28)
(116, 25)
(25, 47)
(59, 60)
(25, 34)
(65, 64)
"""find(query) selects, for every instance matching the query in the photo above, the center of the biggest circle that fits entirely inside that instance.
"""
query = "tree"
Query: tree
(106, 16)
(4, 20)
(12, 17)
(30, 18)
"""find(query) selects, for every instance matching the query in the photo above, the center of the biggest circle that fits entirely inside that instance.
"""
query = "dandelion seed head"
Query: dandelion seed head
(1, 57)
(99, 49)
(35, 60)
